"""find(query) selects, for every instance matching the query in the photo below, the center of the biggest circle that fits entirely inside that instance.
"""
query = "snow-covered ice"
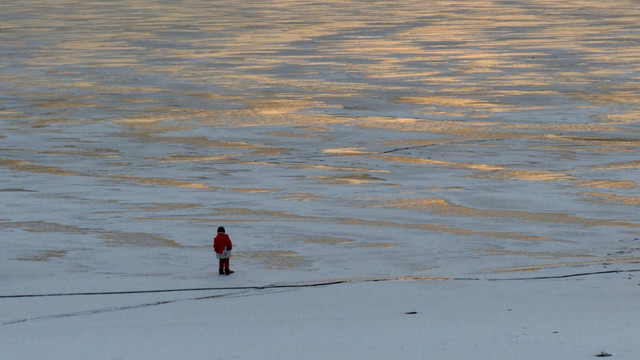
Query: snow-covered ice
(568, 319)
(454, 180)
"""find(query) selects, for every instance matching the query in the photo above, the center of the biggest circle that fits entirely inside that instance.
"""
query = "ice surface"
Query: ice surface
(461, 160)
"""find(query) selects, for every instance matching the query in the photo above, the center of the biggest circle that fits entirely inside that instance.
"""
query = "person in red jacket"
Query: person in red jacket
(222, 245)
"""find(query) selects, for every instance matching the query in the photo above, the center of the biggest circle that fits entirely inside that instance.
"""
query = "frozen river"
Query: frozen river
(401, 179)
(331, 138)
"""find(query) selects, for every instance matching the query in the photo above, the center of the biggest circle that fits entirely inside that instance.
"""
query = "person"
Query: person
(222, 245)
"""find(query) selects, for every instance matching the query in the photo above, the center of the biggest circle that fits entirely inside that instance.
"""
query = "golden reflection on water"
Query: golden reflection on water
(562, 265)
(43, 227)
(407, 159)
(435, 82)
(611, 184)
(328, 240)
(348, 151)
(445, 229)
(19, 165)
(620, 166)
(137, 239)
(275, 259)
(301, 197)
(269, 214)
(356, 179)
(531, 175)
(112, 238)
(493, 48)
(44, 255)
(442, 207)
(537, 254)
(627, 200)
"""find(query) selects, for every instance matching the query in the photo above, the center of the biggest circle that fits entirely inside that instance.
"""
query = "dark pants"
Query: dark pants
(224, 264)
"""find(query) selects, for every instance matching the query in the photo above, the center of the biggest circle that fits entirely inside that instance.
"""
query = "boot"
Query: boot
(228, 272)
(221, 272)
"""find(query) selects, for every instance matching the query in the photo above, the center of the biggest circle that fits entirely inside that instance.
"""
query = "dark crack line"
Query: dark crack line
(244, 293)
(127, 292)
(404, 148)
(318, 284)
(567, 275)
(88, 312)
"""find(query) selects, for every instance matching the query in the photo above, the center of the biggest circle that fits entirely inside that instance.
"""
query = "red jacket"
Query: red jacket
(221, 243)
